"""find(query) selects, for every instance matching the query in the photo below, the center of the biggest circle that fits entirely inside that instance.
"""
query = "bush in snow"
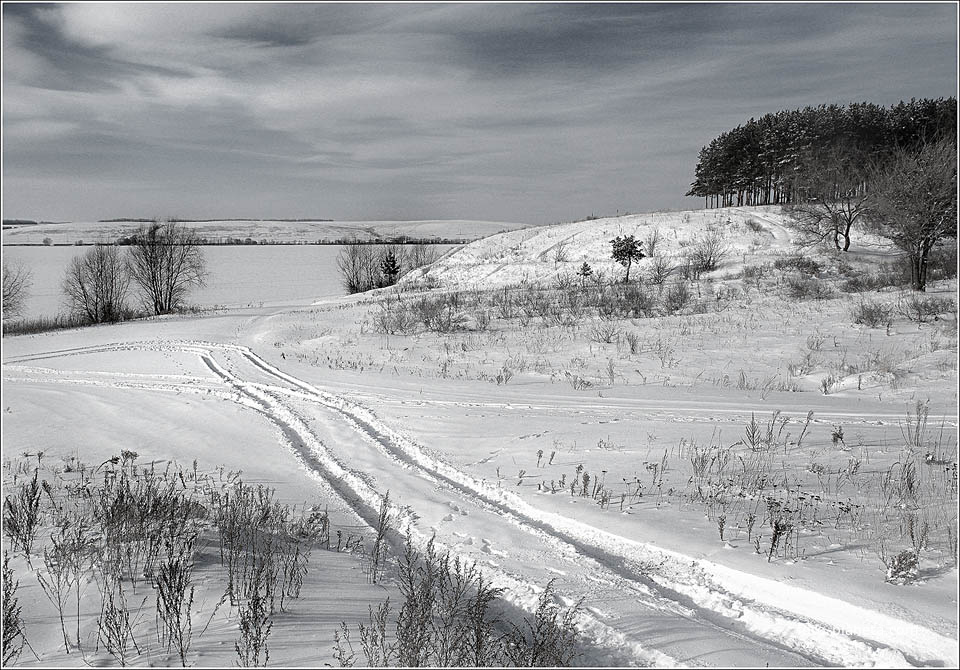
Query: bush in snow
(13, 637)
(873, 314)
(903, 567)
(446, 619)
(706, 253)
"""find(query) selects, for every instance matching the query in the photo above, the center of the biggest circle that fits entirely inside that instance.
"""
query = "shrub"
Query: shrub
(802, 264)
(920, 309)
(805, 288)
(549, 639)
(887, 274)
(652, 241)
(441, 314)
(903, 567)
(393, 317)
(660, 269)
(754, 274)
(21, 514)
(114, 627)
(173, 582)
(873, 314)
(942, 263)
(13, 637)
(635, 301)
(676, 297)
(446, 620)
(605, 333)
(706, 253)
(255, 627)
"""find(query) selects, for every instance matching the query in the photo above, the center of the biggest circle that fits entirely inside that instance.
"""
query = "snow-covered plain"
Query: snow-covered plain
(320, 403)
(260, 232)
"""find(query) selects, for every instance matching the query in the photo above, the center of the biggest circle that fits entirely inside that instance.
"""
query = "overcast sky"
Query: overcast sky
(523, 112)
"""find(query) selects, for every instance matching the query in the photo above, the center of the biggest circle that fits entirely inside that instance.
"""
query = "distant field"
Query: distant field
(261, 232)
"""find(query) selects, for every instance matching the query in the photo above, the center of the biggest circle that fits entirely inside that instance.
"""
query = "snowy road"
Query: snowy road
(642, 604)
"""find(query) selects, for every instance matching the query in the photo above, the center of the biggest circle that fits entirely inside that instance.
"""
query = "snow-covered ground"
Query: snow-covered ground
(695, 430)
(260, 232)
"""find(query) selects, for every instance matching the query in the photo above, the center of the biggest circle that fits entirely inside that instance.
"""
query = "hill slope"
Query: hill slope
(541, 254)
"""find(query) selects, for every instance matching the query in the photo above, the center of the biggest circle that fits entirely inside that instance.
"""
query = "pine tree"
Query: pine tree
(625, 251)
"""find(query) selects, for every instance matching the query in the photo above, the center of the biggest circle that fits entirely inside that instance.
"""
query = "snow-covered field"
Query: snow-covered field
(718, 484)
(260, 232)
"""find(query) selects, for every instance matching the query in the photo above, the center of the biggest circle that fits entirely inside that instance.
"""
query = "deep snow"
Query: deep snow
(316, 403)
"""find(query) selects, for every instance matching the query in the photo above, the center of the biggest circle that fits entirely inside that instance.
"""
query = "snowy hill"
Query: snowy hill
(541, 254)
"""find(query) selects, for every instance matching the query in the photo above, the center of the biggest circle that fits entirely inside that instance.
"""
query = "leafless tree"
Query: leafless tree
(913, 202)
(832, 196)
(419, 255)
(95, 284)
(16, 282)
(165, 261)
(359, 266)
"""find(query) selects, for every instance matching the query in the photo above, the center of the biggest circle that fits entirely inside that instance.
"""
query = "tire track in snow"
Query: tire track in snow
(353, 489)
(783, 615)
(814, 629)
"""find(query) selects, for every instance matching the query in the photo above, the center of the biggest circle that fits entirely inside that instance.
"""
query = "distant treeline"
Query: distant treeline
(176, 220)
(763, 161)
(338, 242)
(9, 223)
(237, 241)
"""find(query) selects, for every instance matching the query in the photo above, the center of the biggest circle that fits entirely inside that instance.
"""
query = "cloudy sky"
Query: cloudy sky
(512, 112)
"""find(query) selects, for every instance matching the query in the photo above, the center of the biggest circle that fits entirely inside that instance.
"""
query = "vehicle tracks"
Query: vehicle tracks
(720, 605)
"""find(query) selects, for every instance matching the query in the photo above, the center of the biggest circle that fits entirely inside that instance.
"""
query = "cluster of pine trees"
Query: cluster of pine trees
(765, 160)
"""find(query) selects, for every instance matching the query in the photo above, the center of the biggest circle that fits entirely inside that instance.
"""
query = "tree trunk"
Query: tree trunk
(917, 261)
(922, 268)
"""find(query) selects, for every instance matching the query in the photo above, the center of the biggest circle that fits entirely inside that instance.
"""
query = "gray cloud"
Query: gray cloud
(532, 112)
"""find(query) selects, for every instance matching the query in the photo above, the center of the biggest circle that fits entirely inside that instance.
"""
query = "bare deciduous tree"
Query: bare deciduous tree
(95, 285)
(913, 202)
(16, 282)
(832, 196)
(419, 255)
(359, 267)
(165, 261)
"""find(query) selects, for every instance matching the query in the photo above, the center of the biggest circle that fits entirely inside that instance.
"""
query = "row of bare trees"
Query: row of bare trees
(163, 262)
(908, 197)
(366, 266)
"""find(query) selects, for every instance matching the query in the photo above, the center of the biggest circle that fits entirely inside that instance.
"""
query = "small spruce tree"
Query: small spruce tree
(585, 272)
(389, 268)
